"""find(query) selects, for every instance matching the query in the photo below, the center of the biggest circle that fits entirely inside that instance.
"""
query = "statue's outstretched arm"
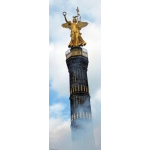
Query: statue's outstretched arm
(64, 13)
(66, 19)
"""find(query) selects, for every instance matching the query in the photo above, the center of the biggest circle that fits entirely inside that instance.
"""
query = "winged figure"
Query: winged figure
(75, 27)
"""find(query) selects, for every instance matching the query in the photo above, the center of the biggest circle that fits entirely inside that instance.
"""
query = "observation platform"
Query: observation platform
(76, 51)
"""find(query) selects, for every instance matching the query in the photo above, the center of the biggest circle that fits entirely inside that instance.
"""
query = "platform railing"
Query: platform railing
(76, 52)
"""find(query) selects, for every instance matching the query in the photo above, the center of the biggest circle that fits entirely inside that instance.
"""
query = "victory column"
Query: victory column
(77, 63)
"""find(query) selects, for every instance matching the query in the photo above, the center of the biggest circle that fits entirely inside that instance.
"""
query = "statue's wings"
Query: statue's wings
(82, 24)
(66, 25)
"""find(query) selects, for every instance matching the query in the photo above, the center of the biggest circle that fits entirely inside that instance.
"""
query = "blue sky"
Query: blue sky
(59, 117)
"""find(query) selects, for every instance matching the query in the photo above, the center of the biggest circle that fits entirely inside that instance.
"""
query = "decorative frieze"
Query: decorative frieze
(79, 88)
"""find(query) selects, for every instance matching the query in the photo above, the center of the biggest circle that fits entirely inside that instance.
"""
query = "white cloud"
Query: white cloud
(90, 9)
(97, 95)
(58, 75)
(56, 109)
(59, 127)
(59, 134)
(96, 114)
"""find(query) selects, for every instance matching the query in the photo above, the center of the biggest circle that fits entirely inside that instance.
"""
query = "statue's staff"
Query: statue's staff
(78, 14)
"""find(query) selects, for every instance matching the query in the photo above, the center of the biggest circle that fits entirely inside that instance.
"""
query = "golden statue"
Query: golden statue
(75, 27)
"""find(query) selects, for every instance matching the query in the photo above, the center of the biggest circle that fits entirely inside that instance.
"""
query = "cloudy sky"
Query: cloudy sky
(24, 72)
(59, 38)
